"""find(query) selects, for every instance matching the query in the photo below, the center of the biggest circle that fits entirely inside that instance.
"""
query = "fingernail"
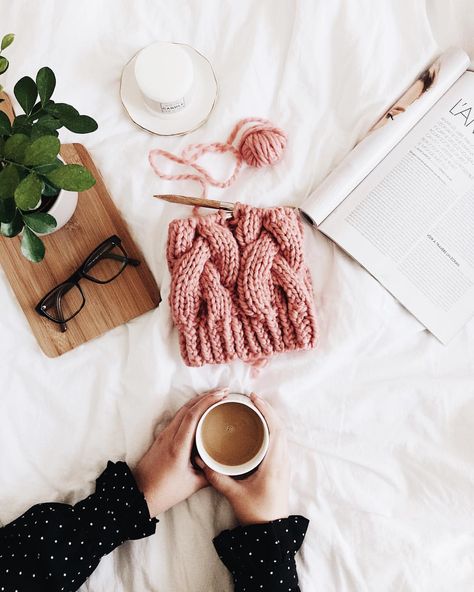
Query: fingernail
(198, 461)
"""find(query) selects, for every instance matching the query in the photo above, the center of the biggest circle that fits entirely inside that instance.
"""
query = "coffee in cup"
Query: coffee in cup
(232, 436)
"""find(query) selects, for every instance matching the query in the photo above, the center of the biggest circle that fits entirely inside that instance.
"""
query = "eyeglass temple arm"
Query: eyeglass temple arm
(116, 257)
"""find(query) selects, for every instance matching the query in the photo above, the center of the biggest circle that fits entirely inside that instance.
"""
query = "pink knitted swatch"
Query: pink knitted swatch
(239, 286)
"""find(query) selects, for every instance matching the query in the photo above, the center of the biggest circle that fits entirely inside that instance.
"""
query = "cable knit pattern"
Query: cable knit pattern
(239, 286)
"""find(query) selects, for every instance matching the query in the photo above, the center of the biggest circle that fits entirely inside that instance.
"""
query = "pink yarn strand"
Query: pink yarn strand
(260, 144)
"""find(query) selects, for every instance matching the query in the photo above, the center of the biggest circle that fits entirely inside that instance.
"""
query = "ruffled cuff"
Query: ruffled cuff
(58, 546)
(117, 511)
(262, 556)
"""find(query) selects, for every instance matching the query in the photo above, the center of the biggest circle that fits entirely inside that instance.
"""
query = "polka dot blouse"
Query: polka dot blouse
(55, 547)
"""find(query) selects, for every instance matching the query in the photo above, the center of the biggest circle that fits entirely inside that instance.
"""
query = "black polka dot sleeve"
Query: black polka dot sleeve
(55, 547)
(261, 557)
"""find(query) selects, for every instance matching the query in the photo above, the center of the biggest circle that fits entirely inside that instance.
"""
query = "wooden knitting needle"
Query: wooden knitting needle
(200, 202)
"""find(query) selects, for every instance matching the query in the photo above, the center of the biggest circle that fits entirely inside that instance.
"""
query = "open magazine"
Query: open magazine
(402, 202)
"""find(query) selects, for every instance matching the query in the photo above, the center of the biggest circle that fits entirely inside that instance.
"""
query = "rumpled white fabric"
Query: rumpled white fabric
(380, 417)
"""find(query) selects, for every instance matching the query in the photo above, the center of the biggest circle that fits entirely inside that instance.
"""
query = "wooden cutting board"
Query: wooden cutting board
(107, 306)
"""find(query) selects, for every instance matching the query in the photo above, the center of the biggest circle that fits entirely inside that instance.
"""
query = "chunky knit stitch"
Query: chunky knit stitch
(239, 286)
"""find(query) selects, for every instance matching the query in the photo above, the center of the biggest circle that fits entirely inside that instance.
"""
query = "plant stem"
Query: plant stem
(2, 159)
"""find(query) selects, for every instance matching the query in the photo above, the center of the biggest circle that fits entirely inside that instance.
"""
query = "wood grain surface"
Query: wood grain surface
(96, 218)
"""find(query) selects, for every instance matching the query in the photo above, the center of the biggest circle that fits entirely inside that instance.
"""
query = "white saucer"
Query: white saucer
(172, 124)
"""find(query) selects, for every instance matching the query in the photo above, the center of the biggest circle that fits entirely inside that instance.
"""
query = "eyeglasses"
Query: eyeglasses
(102, 266)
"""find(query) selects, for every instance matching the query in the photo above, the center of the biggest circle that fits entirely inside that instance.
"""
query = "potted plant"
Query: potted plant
(38, 191)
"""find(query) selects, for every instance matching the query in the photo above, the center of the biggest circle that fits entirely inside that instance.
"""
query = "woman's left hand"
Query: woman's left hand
(165, 474)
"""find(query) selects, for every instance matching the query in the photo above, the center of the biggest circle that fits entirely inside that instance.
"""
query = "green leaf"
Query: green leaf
(21, 125)
(46, 83)
(2, 145)
(32, 246)
(42, 169)
(5, 125)
(15, 147)
(7, 40)
(26, 92)
(28, 192)
(72, 177)
(36, 109)
(9, 180)
(42, 151)
(62, 111)
(70, 118)
(49, 122)
(50, 190)
(82, 124)
(14, 227)
(45, 126)
(7, 209)
(3, 64)
(38, 132)
(39, 222)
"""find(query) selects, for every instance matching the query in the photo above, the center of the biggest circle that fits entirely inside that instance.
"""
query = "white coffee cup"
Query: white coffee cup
(228, 469)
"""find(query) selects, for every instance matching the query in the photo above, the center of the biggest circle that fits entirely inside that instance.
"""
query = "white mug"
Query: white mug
(233, 470)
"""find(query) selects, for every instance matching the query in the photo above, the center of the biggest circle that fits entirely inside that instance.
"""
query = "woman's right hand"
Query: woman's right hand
(263, 496)
(165, 474)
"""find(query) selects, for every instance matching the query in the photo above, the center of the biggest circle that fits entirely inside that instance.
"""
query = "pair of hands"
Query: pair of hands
(166, 476)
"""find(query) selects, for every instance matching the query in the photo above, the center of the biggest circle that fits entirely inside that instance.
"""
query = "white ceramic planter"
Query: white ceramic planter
(63, 208)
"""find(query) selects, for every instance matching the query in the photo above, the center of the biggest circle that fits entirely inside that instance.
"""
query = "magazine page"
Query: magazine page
(429, 87)
(411, 222)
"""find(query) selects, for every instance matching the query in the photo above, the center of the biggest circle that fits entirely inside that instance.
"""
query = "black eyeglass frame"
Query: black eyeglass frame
(99, 253)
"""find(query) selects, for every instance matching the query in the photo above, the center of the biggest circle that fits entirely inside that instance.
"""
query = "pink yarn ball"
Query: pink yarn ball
(262, 145)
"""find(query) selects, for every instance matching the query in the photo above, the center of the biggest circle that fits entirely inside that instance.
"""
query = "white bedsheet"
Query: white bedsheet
(379, 417)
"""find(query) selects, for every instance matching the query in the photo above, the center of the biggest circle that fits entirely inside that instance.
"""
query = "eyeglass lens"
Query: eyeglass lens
(107, 265)
(64, 302)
